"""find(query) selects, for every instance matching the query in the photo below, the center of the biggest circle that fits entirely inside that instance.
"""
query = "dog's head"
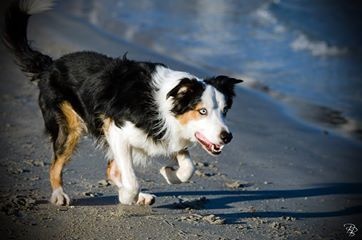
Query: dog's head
(201, 108)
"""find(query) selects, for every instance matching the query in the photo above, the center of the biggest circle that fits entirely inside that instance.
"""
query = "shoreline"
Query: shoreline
(322, 118)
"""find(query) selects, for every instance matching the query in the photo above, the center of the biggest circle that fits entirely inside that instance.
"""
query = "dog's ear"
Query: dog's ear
(225, 85)
(185, 95)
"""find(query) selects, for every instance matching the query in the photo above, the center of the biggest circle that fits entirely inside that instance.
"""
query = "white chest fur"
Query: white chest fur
(143, 146)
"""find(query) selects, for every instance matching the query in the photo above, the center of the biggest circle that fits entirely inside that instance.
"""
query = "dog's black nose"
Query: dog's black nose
(226, 136)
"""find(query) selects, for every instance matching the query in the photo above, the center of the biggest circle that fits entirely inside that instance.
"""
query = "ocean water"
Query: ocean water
(305, 53)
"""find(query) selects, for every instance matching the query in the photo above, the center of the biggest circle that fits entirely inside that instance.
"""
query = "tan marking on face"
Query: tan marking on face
(72, 127)
(191, 115)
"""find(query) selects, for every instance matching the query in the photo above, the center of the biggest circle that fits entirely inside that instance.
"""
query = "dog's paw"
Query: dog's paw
(127, 196)
(170, 175)
(59, 198)
(146, 199)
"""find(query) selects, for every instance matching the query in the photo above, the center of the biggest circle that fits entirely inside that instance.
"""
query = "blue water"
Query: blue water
(305, 50)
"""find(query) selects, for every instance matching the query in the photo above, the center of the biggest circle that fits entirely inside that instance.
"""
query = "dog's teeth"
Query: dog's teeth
(216, 149)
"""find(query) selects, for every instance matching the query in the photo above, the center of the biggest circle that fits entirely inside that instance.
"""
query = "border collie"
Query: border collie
(134, 109)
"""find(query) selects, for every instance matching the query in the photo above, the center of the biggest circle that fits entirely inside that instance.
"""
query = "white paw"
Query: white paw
(127, 196)
(59, 198)
(146, 199)
(169, 174)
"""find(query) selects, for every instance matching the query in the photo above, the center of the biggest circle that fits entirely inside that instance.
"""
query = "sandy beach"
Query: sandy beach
(278, 179)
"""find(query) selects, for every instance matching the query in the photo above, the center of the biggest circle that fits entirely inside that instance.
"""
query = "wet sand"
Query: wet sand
(278, 179)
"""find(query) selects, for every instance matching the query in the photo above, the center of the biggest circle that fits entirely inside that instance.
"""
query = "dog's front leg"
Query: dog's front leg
(114, 175)
(122, 153)
(183, 173)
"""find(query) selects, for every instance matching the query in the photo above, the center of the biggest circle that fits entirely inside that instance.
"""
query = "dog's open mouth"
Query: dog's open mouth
(214, 149)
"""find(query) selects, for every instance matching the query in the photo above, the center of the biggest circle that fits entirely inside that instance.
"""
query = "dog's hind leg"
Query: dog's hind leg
(65, 138)
(114, 175)
(183, 173)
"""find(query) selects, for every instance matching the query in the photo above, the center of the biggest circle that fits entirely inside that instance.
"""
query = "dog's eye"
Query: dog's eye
(225, 111)
(203, 111)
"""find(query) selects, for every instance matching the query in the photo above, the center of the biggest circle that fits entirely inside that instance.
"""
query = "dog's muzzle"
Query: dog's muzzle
(213, 149)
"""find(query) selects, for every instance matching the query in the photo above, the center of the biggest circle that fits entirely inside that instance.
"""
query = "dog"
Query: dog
(135, 110)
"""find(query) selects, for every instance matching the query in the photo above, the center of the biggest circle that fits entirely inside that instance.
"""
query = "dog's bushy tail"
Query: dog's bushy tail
(15, 38)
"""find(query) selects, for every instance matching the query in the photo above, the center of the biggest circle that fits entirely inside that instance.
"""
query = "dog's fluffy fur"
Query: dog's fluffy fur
(134, 109)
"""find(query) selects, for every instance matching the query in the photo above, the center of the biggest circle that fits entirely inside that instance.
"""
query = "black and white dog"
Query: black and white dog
(134, 109)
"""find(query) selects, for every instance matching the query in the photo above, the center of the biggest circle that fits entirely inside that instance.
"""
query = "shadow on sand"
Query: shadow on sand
(96, 201)
(227, 197)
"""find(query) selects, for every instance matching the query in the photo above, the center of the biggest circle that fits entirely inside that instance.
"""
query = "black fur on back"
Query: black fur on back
(15, 38)
(125, 93)
(99, 87)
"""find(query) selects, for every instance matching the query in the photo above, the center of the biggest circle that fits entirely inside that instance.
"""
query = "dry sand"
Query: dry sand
(278, 179)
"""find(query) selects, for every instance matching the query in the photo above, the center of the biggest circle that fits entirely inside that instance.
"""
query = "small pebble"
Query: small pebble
(212, 219)
(92, 194)
(236, 184)
(104, 183)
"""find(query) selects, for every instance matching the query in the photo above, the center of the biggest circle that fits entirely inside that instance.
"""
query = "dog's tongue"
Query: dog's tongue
(203, 139)
(209, 145)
